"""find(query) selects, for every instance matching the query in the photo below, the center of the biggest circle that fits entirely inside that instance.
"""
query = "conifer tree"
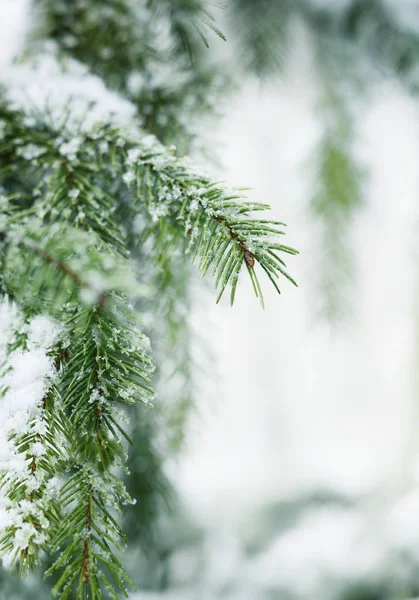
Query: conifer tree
(101, 220)
(99, 214)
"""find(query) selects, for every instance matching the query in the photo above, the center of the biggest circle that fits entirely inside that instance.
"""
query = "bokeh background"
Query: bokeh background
(299, 478)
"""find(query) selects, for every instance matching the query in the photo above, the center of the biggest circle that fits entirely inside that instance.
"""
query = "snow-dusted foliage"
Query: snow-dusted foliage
(97, 217)
(27, 485)
(67, 94)
(152, 52)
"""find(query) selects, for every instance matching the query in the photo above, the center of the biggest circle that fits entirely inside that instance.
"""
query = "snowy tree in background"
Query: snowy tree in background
(97, 220)
(354, 44)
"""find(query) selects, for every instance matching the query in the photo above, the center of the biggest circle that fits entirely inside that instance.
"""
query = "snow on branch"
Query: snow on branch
(28, 447)
(74, 152)
(81, 188)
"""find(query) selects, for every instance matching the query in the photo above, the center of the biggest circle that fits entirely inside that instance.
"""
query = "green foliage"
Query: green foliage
(335, 202)
(97, 219)
(349, 33)
(261, 29)
(144, 50)
(44, 512)
(385, 39)
(214, 219)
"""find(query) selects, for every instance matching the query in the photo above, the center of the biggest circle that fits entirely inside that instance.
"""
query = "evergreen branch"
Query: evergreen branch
(49, 259)
(352, 30)
(215, 219)
(336, 199)
(34, 495)
(59, 264)
(65, 242)
(88, 559)
(107, 362)
(141, 54)
(261, 30)
(33, 435)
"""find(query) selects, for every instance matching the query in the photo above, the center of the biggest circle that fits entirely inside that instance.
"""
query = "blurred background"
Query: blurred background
(299, 473)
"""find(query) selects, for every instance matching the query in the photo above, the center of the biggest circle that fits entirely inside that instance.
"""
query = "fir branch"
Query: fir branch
(141, 51)
(50, 266)
(91, 532)
(216, 220)
(261, 30)
(336, 199)
(65, 250)
(346, 33)
(35, 494)
(34, 435)
(107, 364)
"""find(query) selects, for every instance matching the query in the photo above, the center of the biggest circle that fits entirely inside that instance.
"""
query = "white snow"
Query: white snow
(51, 87)
(26, 376)
(128, 177)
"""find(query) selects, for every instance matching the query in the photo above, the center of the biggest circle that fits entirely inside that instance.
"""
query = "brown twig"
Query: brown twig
(249, 257)
(86, 554)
